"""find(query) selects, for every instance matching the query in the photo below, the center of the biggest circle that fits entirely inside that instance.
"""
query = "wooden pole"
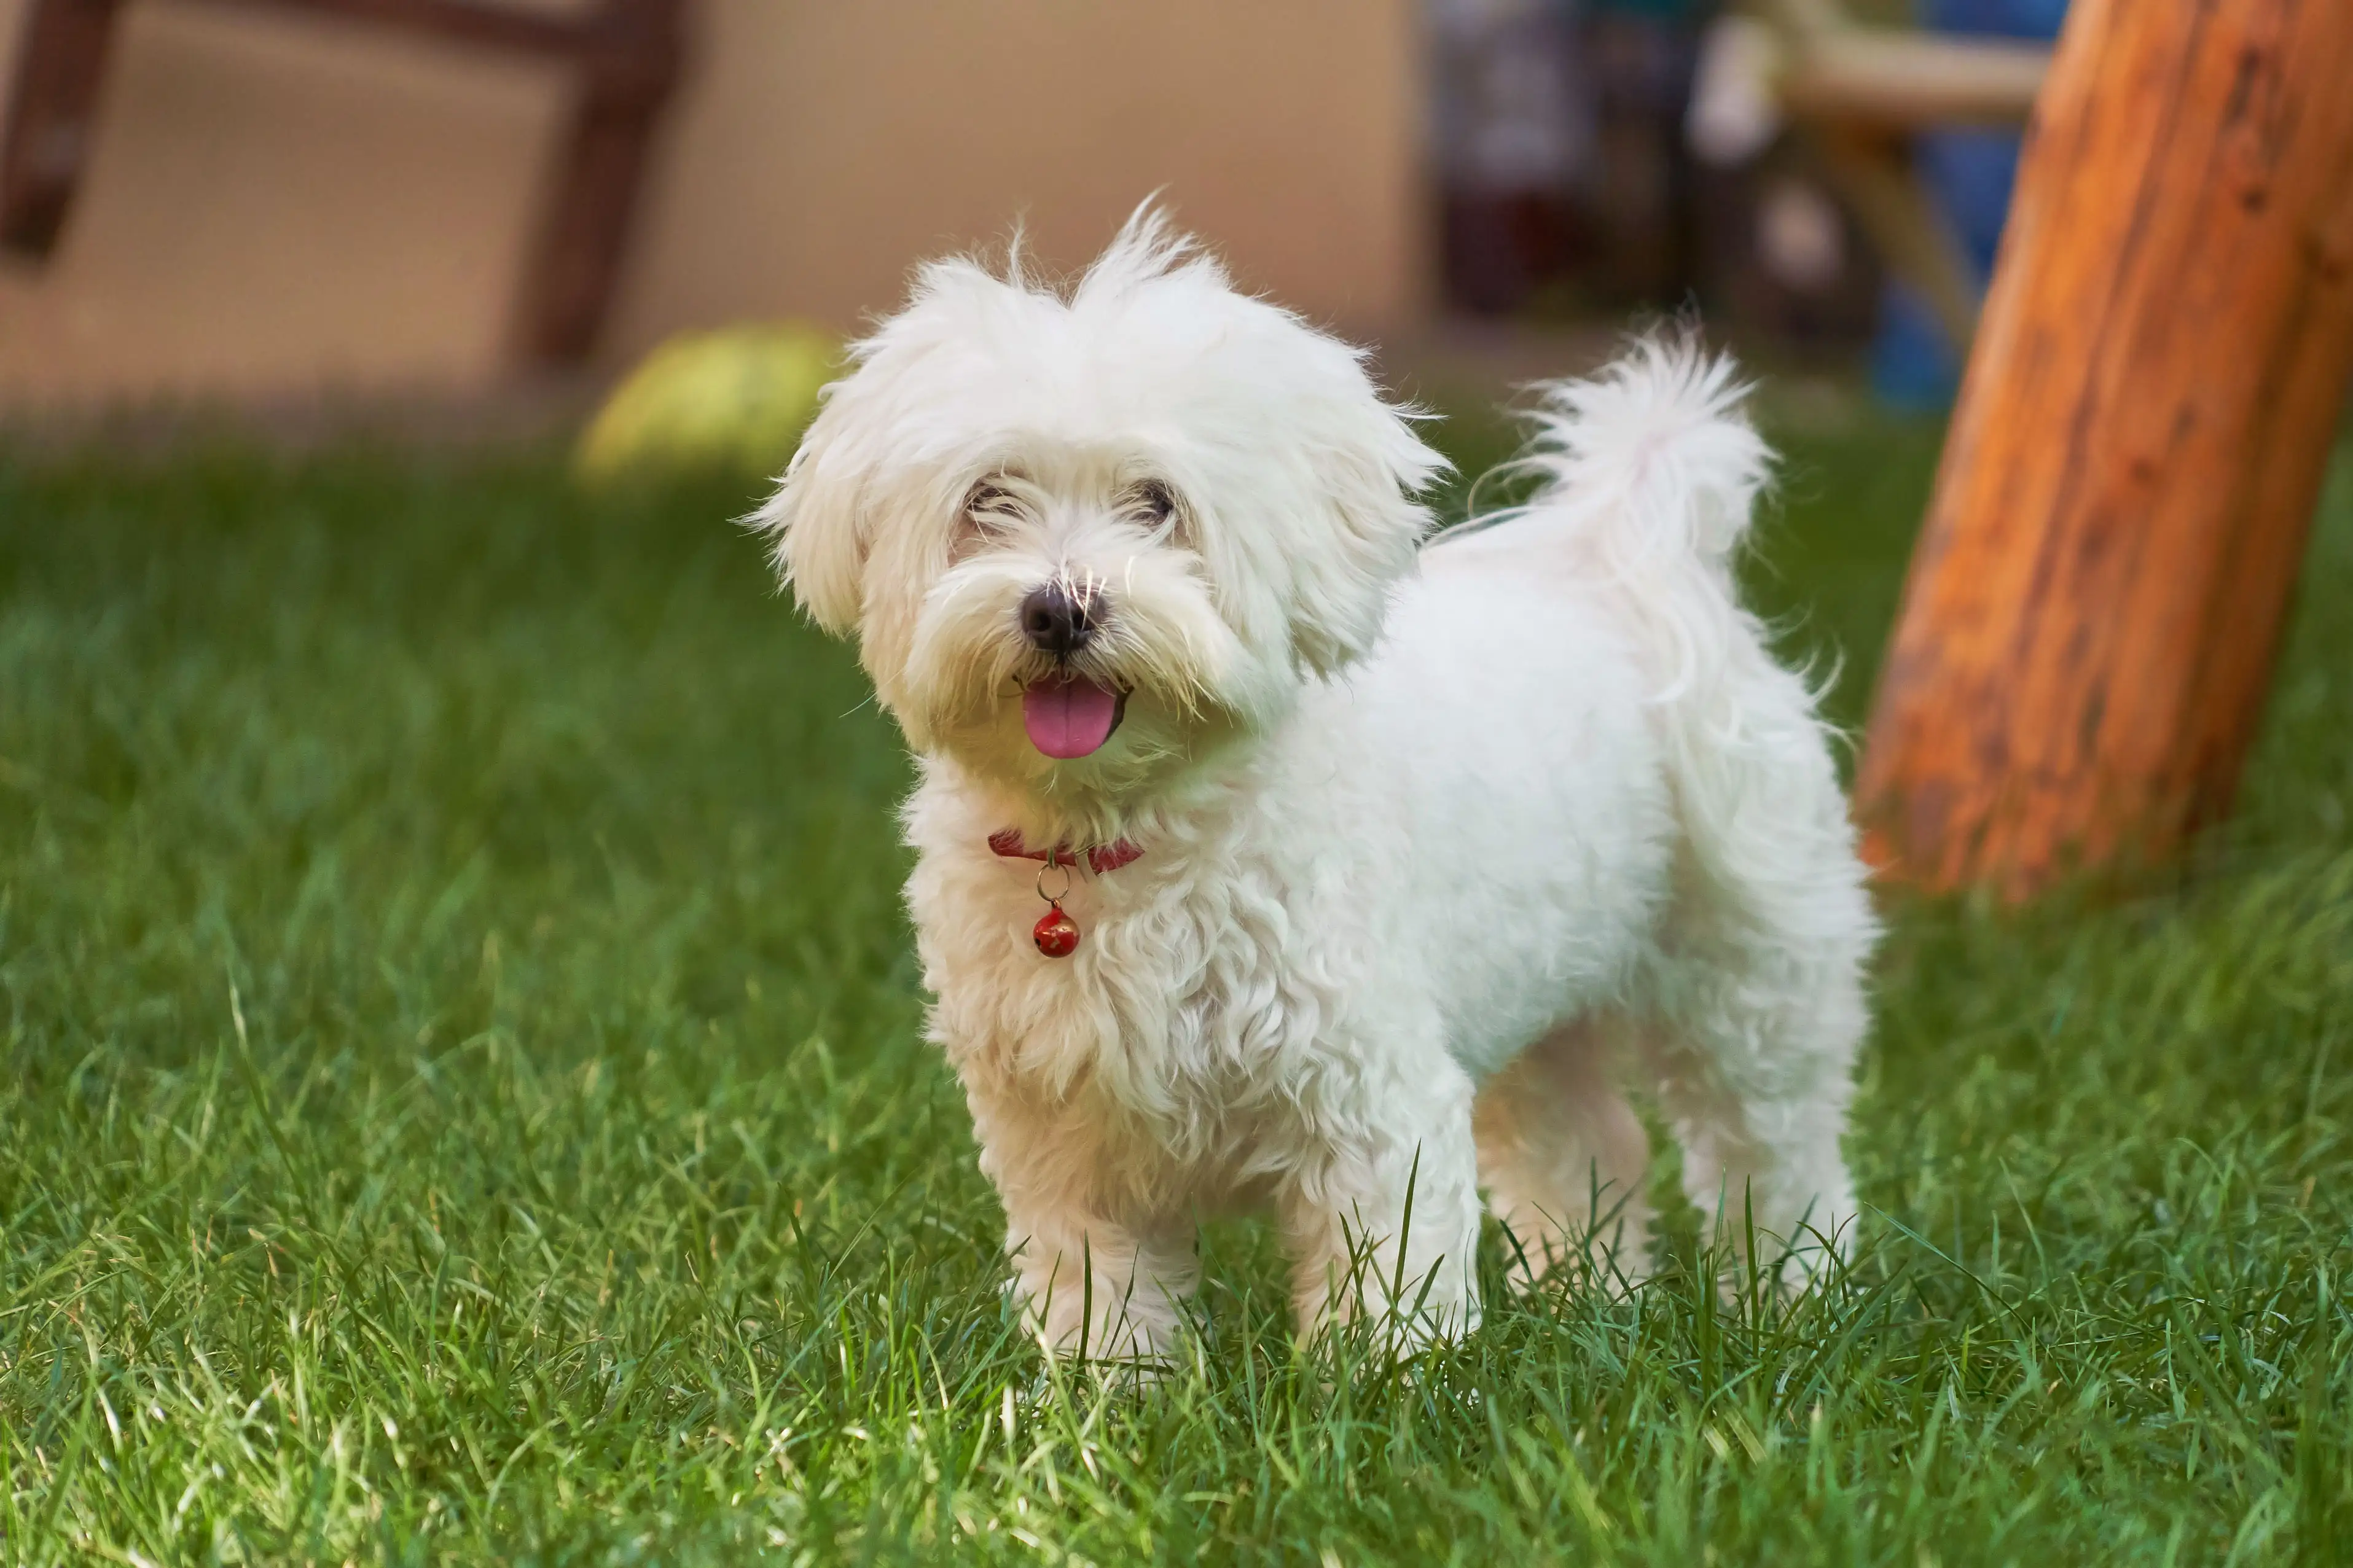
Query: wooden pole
(2097, 597)
(52, 118)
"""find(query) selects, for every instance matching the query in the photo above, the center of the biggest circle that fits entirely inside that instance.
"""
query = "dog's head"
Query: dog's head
(1084, 537)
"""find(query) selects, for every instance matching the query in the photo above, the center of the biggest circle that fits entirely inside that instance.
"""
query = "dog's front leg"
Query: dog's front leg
(1096, 1289)
(1090, 1284)
(1382, 1218)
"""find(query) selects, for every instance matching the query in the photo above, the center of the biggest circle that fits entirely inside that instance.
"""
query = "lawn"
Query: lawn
(464, 1101)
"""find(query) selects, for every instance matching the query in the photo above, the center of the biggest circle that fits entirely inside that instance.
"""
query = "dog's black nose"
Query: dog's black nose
(1055, 622)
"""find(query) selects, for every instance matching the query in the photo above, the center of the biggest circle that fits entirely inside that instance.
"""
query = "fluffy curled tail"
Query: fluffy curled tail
(1652, 461)
(1647, 474)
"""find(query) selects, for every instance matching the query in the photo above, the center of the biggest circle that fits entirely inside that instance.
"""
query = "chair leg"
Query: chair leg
(52, 118)
(576, 260)
(1911, 233)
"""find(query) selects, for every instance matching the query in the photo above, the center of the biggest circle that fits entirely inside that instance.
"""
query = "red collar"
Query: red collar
(1101, 857)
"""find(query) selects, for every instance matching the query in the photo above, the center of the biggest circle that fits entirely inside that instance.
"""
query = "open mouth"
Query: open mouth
(1070, 716)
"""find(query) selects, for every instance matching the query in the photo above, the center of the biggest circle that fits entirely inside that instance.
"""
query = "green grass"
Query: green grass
(463, 1101)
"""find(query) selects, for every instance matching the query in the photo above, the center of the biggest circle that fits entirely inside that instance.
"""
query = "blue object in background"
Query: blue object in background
(1970, 173)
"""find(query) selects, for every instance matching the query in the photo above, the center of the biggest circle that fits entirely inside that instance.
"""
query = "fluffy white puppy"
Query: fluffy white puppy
(1376, 866)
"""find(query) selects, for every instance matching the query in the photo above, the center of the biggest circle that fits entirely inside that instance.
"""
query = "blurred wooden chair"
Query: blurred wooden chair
(626, 51)
(1860, 93)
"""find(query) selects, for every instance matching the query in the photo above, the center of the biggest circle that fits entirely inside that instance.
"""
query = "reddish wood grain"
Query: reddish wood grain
(2093, 611)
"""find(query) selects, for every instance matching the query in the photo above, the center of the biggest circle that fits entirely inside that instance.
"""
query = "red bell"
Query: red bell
(1056, 933)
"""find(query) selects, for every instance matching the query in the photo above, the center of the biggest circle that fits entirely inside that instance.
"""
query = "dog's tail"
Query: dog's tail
(1653, 458)
(1649, 473)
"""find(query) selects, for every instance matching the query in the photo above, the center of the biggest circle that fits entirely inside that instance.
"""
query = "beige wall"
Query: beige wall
(277, 205)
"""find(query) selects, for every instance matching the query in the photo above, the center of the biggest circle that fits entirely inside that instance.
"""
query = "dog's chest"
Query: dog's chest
(1186, 1013)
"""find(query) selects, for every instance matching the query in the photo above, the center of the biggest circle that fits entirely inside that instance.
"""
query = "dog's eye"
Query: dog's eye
(990, 507)
(990, 510)
(1154, 502)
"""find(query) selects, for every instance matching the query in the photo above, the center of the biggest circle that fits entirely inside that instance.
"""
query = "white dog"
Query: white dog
(1269, 855)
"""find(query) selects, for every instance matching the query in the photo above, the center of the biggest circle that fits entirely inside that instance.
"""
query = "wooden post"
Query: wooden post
(2096, 598)
(52, 118)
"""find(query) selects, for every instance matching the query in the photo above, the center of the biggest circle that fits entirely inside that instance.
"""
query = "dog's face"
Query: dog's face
(1082, 539)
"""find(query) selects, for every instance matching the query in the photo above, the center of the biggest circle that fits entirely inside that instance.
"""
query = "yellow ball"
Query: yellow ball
(734, 401)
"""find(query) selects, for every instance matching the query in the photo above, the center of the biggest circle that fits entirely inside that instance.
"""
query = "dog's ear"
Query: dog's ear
(1369, 466)
(816, 517)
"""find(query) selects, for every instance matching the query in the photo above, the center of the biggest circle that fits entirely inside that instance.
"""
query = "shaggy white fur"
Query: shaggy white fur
(1439, 843)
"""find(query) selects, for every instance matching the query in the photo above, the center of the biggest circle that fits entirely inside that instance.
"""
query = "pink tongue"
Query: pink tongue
(1068, 718)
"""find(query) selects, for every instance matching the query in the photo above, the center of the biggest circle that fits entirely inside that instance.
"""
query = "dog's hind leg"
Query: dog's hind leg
(1757, 1015)
(1763, 1162)
(1753, 1007)
(1753, 1010)
(1565, 1159)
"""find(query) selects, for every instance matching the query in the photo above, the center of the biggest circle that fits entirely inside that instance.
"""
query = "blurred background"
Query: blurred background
(275, 201)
